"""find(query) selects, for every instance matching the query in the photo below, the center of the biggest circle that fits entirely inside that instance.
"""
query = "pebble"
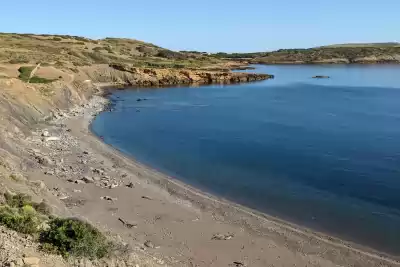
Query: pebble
(149, 244)
(45, 133)
(109, 198)
(88, 179)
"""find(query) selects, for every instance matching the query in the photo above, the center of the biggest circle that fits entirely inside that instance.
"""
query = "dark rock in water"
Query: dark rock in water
(321, 77)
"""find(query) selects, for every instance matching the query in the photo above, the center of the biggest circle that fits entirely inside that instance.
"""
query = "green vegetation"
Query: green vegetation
(67, 237)
(24, 220)
(72, 237)
(22, 215)
(25, 73)
(350, 53)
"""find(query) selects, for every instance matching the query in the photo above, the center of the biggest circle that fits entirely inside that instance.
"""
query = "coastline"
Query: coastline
(333, 249)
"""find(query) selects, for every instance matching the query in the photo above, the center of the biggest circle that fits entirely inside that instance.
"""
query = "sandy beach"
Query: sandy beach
(166, 221)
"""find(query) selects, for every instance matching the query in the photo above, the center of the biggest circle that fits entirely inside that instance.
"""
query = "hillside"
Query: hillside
(334, 54)
(66, 51)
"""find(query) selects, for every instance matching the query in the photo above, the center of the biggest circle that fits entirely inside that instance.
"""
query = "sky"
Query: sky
(211, 25)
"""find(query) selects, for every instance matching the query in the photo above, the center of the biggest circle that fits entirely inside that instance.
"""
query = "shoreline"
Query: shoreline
(188, 227)
(207, 201)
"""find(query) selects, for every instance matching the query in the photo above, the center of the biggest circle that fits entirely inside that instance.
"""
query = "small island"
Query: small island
(320, 77)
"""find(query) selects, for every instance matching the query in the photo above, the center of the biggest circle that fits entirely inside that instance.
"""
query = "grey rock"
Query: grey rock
(79, 181)
(222, 236)
(88, 180)
(149, 244)
(45, 160)
(108, 198)
(45, 133)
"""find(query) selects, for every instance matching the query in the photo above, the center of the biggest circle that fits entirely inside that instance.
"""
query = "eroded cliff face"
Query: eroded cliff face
(127, 75)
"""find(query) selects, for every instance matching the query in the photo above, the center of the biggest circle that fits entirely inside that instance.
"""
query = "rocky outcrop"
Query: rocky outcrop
(161, 77)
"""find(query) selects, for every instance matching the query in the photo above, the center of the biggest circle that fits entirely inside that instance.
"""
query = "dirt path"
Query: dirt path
(33, 72)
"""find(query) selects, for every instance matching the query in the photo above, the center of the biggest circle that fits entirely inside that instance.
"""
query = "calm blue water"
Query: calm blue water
(322, 153)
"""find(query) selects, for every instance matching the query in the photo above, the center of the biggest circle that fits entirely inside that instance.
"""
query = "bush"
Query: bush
(23, 220)
(25, 73)
(18, 200)
(36, 79)
(57, 39)
(171, 54)
(22, 200)
(72, 237)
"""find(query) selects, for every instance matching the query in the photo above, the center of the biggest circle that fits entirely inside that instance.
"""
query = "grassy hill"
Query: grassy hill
(341, 53)
(383, 45)
(69, 51)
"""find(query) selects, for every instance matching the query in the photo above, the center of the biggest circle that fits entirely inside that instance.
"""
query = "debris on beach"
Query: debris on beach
(150, 244)
(109, 198)
(222, 236)
(127, 224)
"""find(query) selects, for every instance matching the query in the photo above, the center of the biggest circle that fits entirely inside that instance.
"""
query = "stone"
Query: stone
(112, 186)
(31, 261)
(222, 236)
(79, 181)
(44, 160)
(45, 133)
(109, 198)
(88, 180)
(98, 171)
(49, 172)
(127, 224)
(149, 244)
(130, 185)
(52, 138)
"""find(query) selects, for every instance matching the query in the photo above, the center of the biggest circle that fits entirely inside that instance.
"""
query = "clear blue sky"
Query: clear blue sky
(211, 25)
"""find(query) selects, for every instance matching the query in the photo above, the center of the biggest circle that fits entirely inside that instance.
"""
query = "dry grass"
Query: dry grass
(63, 51)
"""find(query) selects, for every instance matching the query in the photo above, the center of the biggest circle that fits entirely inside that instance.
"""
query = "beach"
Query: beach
(164, 220)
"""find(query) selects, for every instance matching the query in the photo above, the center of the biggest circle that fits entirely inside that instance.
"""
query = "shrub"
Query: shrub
(72, 237)
(23, 220)
(18, 200)
(22, 200)
(36, 79)
(170, 54)
(25, 73)
(57, 39)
